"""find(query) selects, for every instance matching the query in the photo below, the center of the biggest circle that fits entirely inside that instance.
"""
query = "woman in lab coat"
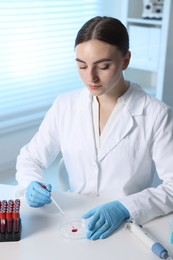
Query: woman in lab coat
(112, 136)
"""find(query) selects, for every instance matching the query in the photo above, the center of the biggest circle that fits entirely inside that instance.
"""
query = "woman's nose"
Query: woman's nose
(93, 75)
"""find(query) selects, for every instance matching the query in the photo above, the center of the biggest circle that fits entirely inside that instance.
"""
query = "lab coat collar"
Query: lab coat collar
(134, 100)
(120, 129)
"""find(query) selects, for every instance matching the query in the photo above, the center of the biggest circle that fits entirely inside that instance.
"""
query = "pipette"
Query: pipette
(156, 247)
(73, 229)
(55, 203)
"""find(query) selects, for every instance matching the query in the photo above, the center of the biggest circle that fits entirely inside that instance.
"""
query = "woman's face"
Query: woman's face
(100, 66)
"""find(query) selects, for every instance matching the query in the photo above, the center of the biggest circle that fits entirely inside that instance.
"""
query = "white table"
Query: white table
(41, 240)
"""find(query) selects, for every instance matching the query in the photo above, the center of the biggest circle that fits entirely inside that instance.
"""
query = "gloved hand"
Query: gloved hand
(105, 219)
(38, 194)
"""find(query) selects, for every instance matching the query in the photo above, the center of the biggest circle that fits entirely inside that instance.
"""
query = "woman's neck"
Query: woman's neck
(110, 98)
(107, 103)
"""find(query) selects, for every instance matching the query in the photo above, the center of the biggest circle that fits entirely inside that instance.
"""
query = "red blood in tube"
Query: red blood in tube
(9, 221)
(16, 220)
(2, 221)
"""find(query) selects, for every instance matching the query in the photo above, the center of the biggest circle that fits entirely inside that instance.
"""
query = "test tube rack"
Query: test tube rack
(10, 221)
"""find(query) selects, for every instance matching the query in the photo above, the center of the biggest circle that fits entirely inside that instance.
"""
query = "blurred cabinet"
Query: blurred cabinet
(151, 45)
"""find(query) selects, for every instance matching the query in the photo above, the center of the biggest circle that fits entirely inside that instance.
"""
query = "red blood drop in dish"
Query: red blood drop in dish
(74, 230)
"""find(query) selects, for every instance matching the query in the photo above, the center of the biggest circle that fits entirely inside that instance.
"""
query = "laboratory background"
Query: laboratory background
(37, 63)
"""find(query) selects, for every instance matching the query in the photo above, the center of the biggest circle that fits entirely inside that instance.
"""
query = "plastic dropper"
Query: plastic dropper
(55, 203)
(74, 229)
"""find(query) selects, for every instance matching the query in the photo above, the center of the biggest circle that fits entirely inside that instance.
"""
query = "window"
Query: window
(37, 60)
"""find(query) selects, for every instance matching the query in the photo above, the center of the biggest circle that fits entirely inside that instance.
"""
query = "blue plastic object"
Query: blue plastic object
(105, 219)
(38, 195)
(159, 250)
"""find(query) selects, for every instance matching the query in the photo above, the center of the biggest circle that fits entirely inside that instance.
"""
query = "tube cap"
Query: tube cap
(160, 251)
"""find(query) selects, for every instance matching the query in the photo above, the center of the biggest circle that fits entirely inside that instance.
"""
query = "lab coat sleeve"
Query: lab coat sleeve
(40, 152)
(153, 202)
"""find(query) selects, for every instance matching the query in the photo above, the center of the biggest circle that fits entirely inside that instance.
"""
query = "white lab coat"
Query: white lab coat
(123, 169)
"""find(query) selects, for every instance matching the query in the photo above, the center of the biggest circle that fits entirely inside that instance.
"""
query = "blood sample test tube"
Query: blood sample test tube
(10, 203)
(16, 220)
(3, 208)
(16, 206)
(2, 221)
(17, 202)
(10, 207)
(4, 203)
(9, 220)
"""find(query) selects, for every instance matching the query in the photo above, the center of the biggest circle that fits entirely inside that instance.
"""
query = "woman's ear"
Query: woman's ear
(126, 60)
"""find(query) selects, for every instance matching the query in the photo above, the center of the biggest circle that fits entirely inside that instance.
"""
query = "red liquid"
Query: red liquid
(74, 230)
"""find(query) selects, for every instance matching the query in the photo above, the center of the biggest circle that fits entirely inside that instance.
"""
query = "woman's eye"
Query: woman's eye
(82, 68)
(104, 67)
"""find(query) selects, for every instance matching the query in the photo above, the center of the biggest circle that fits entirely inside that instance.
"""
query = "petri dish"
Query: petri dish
(73, 229)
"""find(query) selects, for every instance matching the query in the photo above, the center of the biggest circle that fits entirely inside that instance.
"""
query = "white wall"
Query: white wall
(10, 145)
(112, 8)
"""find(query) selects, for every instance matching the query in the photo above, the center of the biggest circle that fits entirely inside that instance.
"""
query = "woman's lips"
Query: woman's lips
(94, 86)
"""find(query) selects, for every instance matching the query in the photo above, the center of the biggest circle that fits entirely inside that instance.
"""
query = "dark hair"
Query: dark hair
(107, 29)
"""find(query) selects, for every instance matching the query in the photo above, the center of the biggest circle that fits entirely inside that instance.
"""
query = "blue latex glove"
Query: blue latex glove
(105, 219)
(38, 194)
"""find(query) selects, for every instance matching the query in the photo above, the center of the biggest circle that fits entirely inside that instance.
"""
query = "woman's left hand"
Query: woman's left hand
(105, 219)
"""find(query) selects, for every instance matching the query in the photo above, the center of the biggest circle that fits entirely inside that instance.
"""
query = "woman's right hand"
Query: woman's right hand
(38, 194)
